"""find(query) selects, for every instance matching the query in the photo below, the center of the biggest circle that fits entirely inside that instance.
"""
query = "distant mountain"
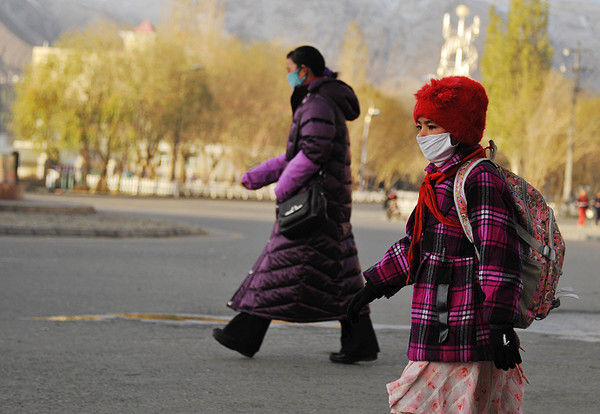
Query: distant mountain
(28, 23)
(404, 36)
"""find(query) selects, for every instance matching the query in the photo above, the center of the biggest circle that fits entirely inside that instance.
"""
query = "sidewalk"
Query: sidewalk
(571, 231)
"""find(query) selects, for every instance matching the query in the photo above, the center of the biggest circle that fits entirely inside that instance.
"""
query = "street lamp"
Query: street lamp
(371, 112)
(568, 178)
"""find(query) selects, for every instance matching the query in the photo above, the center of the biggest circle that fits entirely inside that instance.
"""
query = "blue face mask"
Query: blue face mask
(294, 79)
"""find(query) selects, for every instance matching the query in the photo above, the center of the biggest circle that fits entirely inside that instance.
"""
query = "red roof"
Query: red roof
(145, 27)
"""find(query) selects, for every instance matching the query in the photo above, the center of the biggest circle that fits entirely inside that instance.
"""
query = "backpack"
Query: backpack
(542, 246)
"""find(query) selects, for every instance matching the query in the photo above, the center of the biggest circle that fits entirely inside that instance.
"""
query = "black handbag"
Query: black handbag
(302, 213)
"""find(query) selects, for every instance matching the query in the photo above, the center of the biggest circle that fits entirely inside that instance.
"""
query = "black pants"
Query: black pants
(357, 338)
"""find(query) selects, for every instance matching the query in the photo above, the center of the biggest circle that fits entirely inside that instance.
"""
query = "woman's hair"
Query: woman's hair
(308, 56)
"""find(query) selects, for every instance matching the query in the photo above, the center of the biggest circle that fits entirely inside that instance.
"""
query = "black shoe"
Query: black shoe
(230, 343)
(343, 358)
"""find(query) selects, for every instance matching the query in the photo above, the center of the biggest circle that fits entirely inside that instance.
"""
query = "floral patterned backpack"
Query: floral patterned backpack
(542, 246)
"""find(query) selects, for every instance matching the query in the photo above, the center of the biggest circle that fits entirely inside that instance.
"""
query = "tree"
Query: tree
(95, 110)
(515, 68)
(181, 99)
(545, 130)
(392, 152)
(587, 151)
(249, 115)
(148, 130)
(252, 97)
(355, 56)
(34, 113)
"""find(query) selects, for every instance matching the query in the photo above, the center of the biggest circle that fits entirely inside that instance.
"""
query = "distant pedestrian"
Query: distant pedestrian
(596, 205)
(463, 351)
(582, 203)
(311, 278)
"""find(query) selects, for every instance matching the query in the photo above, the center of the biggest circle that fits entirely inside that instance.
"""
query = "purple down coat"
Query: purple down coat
(313, 278)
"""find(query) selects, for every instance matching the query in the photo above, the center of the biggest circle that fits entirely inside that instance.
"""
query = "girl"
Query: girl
(463, 349)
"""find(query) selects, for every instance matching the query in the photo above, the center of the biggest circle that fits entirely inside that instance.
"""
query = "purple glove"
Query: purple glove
(295, 175)
(264, 174)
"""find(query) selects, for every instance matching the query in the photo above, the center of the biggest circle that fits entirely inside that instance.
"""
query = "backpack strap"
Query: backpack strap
(460, 198)
(526, 231)
(543, 249)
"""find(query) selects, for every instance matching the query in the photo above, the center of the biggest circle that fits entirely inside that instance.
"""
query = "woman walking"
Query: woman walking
(463, 351)
(311, 278)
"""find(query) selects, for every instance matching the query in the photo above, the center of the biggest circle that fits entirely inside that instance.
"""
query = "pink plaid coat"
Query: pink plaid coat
(456, 296)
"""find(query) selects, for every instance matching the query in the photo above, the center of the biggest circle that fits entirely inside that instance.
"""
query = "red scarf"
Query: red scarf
(427, 198)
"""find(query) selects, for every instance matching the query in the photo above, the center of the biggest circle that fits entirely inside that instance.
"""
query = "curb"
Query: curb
(106, 233)
(23, 218)
(42, 207)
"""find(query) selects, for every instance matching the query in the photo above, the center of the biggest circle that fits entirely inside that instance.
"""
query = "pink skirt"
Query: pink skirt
(448, 388)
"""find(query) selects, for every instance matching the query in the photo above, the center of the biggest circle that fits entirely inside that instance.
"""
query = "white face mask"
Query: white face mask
(437, 148)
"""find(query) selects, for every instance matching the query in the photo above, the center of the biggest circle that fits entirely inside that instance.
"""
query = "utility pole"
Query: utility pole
(568, 177)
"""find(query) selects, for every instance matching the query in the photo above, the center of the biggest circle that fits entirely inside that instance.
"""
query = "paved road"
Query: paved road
(138, 315)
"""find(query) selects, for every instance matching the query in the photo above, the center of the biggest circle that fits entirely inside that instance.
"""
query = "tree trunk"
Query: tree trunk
(174, 152)
(182, 159)
(85, 166)
(103, 182)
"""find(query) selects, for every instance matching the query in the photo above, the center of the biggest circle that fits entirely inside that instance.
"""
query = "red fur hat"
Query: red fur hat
(456, 103)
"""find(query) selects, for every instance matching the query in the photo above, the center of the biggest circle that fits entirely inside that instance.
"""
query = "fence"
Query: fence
(197, 188)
